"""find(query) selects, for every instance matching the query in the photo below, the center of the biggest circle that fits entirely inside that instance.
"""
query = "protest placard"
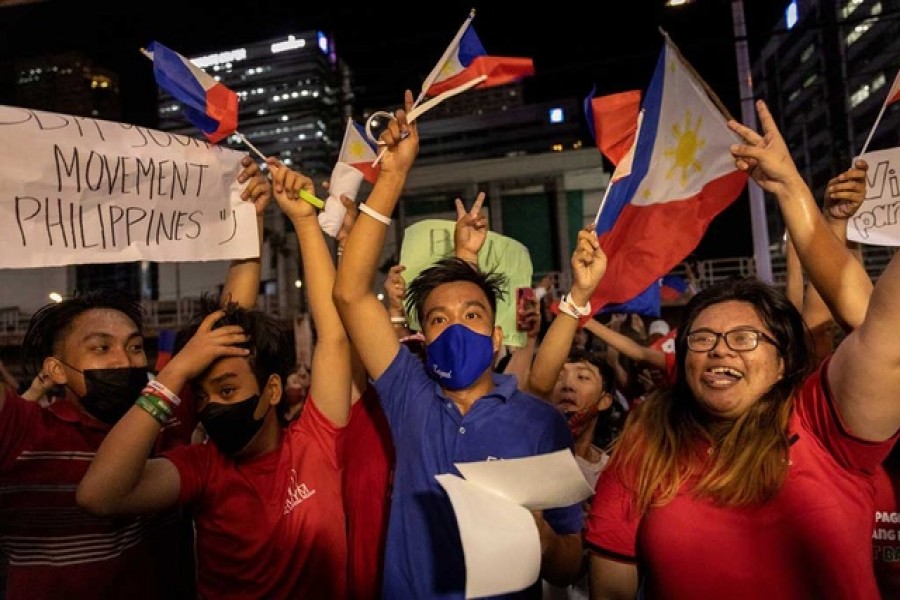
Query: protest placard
(877, 221)
(76, 190)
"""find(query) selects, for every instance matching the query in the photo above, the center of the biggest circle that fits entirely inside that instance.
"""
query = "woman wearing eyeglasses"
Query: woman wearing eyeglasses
(753, 476)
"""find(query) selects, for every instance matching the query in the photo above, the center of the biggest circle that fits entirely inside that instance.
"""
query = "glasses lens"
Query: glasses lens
(742, 340)
(701, 341)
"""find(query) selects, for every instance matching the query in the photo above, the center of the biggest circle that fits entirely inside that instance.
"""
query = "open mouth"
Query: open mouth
(721, 377)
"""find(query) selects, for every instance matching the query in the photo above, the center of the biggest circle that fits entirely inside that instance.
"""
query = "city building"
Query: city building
(825, 72)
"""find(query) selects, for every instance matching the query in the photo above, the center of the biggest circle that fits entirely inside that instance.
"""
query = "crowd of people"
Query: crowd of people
(746, 451)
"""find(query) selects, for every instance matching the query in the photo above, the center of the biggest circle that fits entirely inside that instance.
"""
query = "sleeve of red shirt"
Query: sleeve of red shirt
(321, 431)
(819, 414)
(194, 463)
(612, 523)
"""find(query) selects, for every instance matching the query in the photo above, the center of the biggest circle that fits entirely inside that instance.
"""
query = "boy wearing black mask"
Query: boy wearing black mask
(90, 347)
(265, 496)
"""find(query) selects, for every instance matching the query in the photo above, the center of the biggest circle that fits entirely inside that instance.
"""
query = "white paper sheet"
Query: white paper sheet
(535, 482)
(493, 507)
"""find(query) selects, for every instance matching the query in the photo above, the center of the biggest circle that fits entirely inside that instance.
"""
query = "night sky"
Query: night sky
(614, 44)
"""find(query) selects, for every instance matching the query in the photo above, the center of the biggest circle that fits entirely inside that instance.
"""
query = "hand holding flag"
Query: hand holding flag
(464, 65)
(681, 177)
(208, 104)
(353, 166)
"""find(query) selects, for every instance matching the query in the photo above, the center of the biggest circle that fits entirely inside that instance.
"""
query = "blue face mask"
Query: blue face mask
(458, 356)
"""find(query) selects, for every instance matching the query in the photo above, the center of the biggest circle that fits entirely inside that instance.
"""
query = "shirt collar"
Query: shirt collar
(66, 410)
(504, 387)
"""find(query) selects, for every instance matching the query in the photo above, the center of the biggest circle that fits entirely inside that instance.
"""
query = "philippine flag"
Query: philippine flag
(209, 105)
(682, 175)
(354, 165)
(465, 59)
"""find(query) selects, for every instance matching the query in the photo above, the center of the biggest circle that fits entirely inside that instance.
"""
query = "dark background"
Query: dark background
(612, 44)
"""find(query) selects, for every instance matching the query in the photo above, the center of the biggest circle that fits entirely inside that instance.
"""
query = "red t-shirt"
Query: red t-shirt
(369, 458)
(886, 532)
(813, 540)
(271, 526)
(54, 548)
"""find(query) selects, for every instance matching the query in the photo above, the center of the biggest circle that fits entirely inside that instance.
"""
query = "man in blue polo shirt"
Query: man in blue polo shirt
(457, 410)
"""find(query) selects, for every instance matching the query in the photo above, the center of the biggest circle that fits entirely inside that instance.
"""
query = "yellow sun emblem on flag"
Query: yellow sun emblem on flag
(356, 149)
(687, 144)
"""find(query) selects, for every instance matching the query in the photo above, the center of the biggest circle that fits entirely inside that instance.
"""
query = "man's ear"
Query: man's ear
(55, 370)
(497, 338)
(605, 401)
(275, 389)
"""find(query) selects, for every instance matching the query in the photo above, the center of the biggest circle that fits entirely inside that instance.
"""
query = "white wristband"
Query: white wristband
(374, 214)
(566, 306)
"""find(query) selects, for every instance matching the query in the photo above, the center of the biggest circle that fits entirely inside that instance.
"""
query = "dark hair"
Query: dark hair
(50, 325)
(271, 343)
(450, 270)
(775, 310)
(606, 371)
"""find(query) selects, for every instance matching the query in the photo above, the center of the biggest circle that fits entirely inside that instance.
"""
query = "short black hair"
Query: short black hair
(271, 342)
(451, 270)
(52, 323)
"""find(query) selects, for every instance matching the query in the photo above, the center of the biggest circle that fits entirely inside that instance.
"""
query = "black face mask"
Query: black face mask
(232, 426)
(111, 392)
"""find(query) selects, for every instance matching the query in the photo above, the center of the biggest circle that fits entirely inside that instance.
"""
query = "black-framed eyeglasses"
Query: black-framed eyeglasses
(743, 339)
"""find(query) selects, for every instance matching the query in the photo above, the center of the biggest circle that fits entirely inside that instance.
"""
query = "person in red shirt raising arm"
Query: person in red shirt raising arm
(265, 497)
(734, 482)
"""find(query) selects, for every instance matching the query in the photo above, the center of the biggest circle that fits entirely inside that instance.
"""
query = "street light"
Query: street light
(758, 222)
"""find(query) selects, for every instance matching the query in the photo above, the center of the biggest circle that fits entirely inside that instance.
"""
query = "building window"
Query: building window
(858, 31)
(807, 53)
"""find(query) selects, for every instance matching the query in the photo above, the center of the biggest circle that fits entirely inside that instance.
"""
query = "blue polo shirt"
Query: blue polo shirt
(424, 556)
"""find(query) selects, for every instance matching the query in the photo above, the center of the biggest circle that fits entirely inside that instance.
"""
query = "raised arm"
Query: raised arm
(331, 374)
(588, 267)
(121, 479)
(627, 346)
(242, 281)
(864, 375)
(364, 316)
(837, 275)
(519, 364)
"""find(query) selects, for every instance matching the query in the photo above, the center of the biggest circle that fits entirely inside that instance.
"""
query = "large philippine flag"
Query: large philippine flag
(682, 175)
(209, 105)
(467, 59)
(353, 166)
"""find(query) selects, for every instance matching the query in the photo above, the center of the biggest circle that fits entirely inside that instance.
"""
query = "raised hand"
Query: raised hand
(287, 184)
(471, 229)
(401, 139)
(588, 266)
(846, 192)
(258, 189)
(765, 157)
(206, 346)
(395, 288)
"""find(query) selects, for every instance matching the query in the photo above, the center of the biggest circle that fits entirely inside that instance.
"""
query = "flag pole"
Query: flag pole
(418, 111)
(881, 113)
(304, 195)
